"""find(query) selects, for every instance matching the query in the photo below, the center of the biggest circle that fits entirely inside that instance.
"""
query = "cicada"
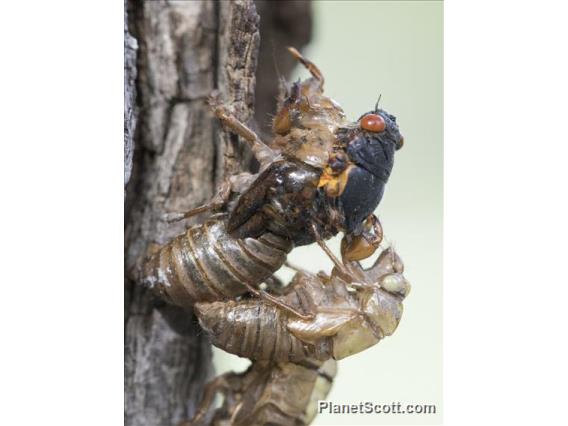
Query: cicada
(318, 176)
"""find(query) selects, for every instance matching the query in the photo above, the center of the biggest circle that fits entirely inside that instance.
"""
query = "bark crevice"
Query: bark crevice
(176, 54)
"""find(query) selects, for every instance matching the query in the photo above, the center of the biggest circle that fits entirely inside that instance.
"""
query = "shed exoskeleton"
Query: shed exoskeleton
(206, 263)
(349, 311)
(268, 393)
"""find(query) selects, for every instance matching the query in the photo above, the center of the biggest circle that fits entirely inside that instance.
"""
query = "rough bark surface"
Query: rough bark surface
(130, 110)
(176, 54)
(186, 51)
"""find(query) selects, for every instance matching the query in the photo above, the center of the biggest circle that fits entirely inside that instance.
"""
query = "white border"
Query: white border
(505, 213)
(61, 139)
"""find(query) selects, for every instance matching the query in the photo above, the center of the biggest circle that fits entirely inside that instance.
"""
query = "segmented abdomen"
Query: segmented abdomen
(205, 264)
(258, 331)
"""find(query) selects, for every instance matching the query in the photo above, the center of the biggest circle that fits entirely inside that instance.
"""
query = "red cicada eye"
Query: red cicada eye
(373, 123)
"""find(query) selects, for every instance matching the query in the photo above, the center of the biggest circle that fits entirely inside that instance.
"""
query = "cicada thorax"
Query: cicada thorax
(285, 198)
(206, 263)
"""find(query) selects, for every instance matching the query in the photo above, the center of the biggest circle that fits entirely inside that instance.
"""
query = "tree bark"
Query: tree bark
(186, 51)
(176, 54)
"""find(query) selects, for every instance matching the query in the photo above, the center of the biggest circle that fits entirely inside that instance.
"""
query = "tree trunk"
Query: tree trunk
(176, 55)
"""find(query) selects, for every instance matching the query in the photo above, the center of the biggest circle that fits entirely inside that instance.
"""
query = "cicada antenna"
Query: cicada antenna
(377, 103)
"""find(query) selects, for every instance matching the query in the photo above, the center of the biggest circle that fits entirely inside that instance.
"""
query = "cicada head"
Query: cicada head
(371, 142)
(388, 262)
(382, 126)
(383, 307)
(386, 274)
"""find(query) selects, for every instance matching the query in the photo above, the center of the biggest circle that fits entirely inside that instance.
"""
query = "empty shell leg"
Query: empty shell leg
(281, 304)
(311, 67)
(218, 384)
(216, 203)
(340, 267)
(261, 151)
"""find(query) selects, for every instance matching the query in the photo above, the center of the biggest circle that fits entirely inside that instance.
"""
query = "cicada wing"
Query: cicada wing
(250, 203)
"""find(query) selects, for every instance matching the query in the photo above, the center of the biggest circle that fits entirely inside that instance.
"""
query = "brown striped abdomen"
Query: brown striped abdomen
(205, 264)
(257, 330)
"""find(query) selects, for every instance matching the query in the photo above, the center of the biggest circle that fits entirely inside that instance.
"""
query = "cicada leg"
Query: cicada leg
(216, 203)
(261, 294)
(338, 265)
(359, 247)
(311, 67)
(218, 384)
(261, 151)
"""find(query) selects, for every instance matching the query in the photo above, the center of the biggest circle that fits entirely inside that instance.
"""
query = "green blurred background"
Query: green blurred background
(393, 48)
